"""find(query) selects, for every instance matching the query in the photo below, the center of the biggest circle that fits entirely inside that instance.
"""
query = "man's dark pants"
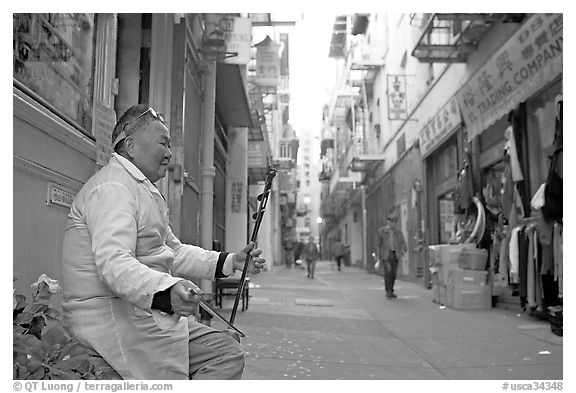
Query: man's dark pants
(390, 269)
(339, 261)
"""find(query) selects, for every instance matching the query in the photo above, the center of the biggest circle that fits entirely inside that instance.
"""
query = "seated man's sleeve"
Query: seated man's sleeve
(192, 262)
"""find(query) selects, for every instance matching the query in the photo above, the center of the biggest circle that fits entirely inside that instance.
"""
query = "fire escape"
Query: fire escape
(449, 38)
(348, 115)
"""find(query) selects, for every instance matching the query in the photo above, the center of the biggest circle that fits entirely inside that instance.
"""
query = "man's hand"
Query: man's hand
(256, 263)
(184, 298)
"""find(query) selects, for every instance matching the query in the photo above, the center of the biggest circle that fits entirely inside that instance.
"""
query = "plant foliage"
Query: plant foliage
(42, 349)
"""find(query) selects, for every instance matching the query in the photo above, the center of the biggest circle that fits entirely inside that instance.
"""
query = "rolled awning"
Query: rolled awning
(231, 99)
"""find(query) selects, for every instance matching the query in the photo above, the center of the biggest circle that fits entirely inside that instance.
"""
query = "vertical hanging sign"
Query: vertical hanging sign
(397, 106)
(267, 63)
(103, 122)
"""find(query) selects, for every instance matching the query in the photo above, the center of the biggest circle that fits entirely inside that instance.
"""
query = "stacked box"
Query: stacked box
(473, 259)
(469, 297)
(467, 277)
(444, 257)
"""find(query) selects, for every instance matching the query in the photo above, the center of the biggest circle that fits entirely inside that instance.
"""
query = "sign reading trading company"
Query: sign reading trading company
(531, 58)
(397, 107)
(237, 34)
(440, 126)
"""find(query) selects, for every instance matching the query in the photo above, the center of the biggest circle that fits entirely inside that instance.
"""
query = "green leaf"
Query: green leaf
(32, 346)
(65, 375)
(38, 308)
(33, 365)
(24, 318)
(38, 374)
(53, 353)
(55, 335)
(21, 371)
(52, 313)
(37, 325)
(21, 301)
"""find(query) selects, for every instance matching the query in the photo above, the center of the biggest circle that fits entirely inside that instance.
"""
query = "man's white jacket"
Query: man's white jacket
(118, 252)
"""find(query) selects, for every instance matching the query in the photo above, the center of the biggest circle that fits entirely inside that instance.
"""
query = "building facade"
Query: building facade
(75, 74)
(433, 112)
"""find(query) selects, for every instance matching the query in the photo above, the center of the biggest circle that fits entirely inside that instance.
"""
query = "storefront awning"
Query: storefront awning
(231, 99)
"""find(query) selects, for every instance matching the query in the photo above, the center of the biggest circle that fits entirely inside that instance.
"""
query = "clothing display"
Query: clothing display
(530, 260)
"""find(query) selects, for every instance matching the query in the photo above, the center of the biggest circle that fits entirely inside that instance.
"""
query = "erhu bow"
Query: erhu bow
(257, 216)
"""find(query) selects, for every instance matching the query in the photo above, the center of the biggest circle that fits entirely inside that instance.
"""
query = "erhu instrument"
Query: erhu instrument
(257, 216)
(263, 199)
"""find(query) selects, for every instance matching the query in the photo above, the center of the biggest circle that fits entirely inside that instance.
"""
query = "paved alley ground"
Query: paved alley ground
(340, 326)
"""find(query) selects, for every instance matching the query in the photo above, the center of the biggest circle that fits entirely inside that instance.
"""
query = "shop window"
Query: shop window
(53, 57)
(446, 217)
(446, 163)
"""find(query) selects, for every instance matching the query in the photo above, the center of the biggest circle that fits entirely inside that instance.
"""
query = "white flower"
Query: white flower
(53, 286)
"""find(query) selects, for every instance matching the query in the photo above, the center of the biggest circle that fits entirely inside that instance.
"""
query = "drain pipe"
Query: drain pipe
(208, 171)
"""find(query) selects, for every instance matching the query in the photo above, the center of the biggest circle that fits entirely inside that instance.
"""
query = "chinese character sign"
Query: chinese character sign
(237, 192)
(104, 120)
(397, 106)
(532, 57)
(440, 126)
(267, 63)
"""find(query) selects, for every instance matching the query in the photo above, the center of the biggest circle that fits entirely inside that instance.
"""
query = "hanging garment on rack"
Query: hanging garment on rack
(553, 195)
(539, 291)
(522, 266)
(531, 269)
(504, 261)
(511, 149)
(558, 263)
(514, 255)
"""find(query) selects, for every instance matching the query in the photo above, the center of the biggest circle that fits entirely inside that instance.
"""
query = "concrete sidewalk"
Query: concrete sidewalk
(341, 326)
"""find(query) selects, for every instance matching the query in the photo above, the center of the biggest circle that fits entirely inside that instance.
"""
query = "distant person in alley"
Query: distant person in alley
(128, 294)
(310, 254)
(391, 246)
(338, 253)
(288, 252)
(298, 247)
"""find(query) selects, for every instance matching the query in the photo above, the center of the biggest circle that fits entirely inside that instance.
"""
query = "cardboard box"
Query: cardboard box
(444, 257)
(469, 297)
(439, 254)
(444, 272)
(467, 277)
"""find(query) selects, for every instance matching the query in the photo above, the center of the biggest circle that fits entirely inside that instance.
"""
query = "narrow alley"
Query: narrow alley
(340, 326)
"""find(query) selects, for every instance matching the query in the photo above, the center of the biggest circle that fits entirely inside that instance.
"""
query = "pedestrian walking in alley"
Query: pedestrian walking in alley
(311, 255)
(391, 246)
(338, 253)
(288, 253)
(127, 294)
(298, 247)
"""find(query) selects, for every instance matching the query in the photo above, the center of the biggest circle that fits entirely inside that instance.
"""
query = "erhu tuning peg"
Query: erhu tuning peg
(255, 215)
(260, 196)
